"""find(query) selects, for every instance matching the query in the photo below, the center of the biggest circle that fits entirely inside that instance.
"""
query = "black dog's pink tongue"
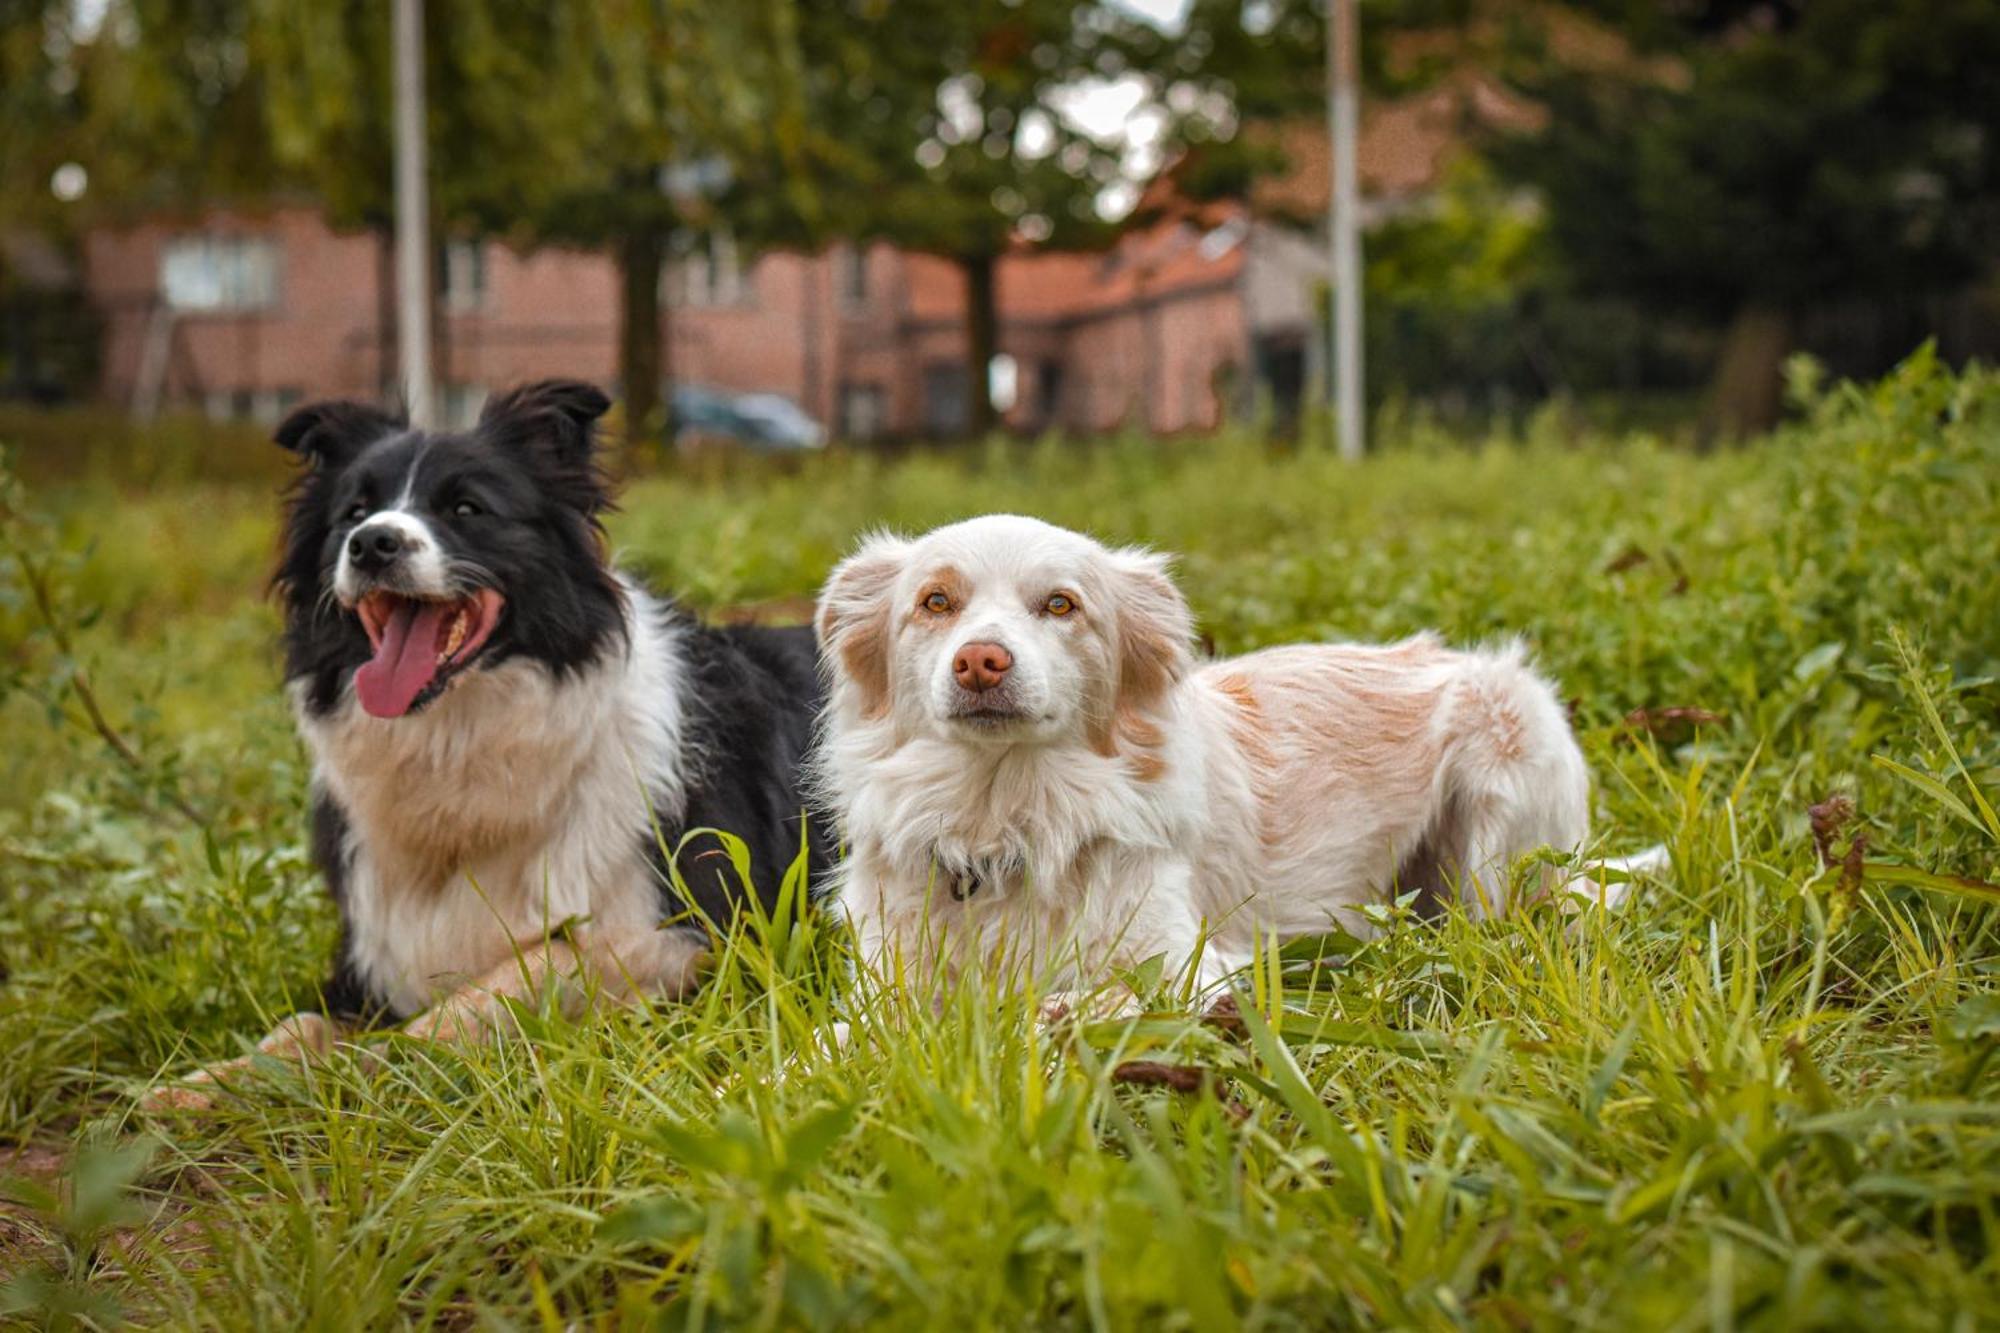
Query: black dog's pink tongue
(405, 660)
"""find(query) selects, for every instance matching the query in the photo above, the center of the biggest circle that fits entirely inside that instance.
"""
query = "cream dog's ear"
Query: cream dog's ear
(852, 619)
(1155, 628)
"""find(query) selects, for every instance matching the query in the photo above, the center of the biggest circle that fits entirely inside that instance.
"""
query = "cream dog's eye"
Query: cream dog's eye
(1059, 604)
(938, 602)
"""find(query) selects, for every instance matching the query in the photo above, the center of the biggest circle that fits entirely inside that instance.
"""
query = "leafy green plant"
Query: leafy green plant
(67, 1288)
(37, 590)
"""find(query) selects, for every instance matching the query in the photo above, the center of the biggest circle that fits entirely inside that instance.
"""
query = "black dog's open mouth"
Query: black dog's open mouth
(420, 644)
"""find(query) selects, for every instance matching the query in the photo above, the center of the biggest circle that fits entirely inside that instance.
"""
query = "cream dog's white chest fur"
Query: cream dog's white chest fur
(993, 854)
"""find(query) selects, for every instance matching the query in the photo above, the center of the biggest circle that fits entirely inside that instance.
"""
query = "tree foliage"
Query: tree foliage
(547, 124)
(1767, 156)
(39, 107)
(586, 111)
(942, 127)
(1843, 146)
(1263, 62)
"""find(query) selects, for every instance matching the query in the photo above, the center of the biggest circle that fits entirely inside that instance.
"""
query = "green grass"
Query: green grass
(1763, 1096)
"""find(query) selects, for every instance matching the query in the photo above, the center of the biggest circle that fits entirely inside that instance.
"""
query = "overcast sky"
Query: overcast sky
(1165, 13)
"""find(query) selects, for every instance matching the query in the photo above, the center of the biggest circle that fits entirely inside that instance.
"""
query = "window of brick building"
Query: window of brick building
(947, 409)
(712, 273)
(864, 411)
(854, 277)
(219, 273)
(1003, 382)
(1049, 395)
(462, 275)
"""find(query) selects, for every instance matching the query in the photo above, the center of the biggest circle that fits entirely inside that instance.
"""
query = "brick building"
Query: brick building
(1197, 314)
(244, 314)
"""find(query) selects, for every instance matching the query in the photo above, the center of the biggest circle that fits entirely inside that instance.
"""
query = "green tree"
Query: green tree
(39, 106)
(597, 109)
(547, 124)
(939, 126)
(551, 124)
(1264, 63)
(1768, 156)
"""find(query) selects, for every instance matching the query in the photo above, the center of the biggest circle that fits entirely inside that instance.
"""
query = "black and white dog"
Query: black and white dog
(519, 754)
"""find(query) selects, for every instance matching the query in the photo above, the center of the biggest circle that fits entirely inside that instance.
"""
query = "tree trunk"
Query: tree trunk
(982, 336)
(1748, 389)
(641, 348)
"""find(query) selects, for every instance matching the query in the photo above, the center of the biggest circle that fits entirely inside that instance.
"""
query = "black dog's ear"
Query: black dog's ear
(331, 433)
(560, 414)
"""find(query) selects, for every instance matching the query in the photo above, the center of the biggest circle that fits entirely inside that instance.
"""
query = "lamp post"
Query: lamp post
(1343, 224)
(413, 226)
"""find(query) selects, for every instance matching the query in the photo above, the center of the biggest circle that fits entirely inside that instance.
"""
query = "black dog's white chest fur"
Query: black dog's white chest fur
(516, 804)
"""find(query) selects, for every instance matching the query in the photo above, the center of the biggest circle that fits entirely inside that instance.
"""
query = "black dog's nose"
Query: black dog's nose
(371, 550)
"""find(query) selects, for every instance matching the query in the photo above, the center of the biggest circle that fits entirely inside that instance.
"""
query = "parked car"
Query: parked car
(765, 422)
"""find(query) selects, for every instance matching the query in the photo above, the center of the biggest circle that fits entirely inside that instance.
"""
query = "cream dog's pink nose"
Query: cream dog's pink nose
(981, 666)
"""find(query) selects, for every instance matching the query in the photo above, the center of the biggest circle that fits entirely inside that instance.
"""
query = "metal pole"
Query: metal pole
(413, 226)
(1343, 223)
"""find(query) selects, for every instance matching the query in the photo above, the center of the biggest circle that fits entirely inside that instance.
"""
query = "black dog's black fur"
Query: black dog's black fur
(537, 496)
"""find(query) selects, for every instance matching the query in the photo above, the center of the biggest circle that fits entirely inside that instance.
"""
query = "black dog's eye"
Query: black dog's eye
(465, 509)
(356, 512)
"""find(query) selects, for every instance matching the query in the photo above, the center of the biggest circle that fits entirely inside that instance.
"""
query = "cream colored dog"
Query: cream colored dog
(1032, 770)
